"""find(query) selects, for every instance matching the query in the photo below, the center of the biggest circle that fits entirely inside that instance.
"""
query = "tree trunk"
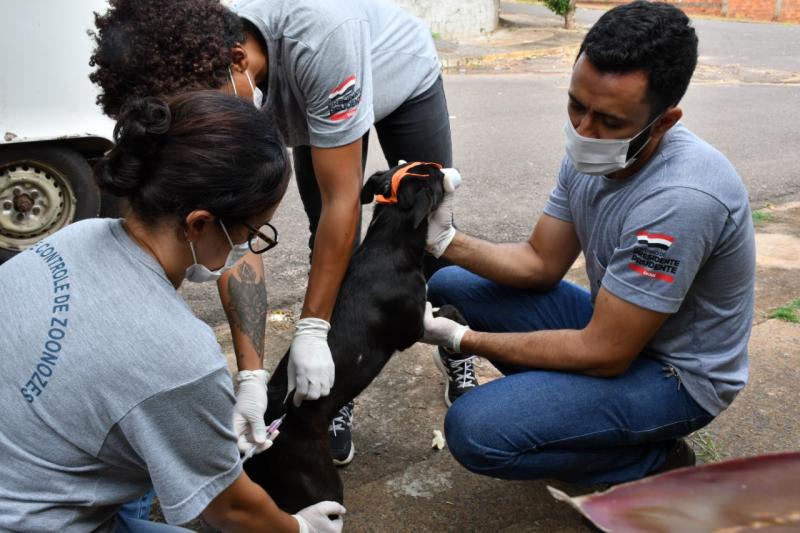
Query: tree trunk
(569, 18)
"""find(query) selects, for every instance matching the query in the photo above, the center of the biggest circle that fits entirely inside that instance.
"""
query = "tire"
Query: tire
(42, 189)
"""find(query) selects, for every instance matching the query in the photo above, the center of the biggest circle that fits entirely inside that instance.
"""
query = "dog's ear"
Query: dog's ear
(423, 203)
(376, 184)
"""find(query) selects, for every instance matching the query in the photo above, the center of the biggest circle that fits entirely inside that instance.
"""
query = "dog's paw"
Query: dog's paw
(450, 311)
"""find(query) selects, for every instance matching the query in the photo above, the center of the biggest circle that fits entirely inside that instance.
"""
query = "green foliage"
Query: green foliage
(705, 447)
(559, 7)
(761, 216)
(788, 313)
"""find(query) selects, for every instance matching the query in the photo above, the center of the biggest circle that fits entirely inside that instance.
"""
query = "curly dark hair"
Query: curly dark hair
(160, 48)
(654, 37)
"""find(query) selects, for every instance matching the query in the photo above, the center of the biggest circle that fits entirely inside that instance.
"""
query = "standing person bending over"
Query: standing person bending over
(109, 384)
(327, 72)
(601, 386)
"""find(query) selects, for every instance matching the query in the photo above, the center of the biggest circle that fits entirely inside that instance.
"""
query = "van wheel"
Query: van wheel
(42, 189)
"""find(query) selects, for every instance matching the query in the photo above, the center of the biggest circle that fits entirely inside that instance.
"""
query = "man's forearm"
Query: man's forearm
(511, 264)
(563, 349)
(244, 299)
(332, 251)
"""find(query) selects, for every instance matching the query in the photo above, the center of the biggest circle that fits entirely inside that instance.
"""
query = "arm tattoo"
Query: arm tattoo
(248, 306)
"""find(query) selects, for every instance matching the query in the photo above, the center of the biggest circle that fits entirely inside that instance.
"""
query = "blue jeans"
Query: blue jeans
(133, 517)
(533, 424)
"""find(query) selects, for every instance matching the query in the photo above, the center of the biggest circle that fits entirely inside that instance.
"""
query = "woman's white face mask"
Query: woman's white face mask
(598, 157)
(197, 273)
(258, 95)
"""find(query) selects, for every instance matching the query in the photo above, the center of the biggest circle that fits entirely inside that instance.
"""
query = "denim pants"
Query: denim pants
(133, 517)
(418, 130)
(534, 424)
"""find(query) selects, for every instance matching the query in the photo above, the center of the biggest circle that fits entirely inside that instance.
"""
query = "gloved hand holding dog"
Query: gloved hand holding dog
(248, 413)
(441, 331)
(315, 518)
(440, 222)
(311, 371)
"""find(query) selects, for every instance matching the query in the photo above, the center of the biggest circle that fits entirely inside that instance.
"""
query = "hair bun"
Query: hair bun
(141, 125)
(142, 122)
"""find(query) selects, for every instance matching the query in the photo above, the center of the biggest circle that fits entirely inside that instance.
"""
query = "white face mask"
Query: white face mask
(599, 157)
(197, 273)
(258, 95)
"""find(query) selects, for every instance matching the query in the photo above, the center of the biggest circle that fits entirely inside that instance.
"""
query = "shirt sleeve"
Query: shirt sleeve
(558, 202)
(336, 82)
(186, 441)
(664, 243)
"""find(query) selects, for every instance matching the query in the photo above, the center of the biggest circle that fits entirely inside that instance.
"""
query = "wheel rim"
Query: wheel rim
(35, 200)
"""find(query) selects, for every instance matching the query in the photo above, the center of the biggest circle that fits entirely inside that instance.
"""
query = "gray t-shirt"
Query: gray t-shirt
(109, 385)
(677, 238)
(334, 68)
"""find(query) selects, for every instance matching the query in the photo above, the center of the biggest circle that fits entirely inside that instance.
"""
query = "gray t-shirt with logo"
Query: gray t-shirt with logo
(677, 238)
(109, 385)
(335, 68)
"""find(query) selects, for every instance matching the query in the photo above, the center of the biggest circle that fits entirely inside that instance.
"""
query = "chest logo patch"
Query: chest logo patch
(343, 99)
(649, 259)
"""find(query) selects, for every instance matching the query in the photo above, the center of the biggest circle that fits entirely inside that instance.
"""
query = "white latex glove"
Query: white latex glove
(314, 518)
(441, 331)
(311, 371)
(440, 222)
(248, 413)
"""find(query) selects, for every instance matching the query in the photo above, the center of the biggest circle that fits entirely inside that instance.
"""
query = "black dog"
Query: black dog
(379, 311)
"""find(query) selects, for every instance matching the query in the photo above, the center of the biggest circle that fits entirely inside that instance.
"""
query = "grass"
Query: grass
(705, 447)
(761, 216)
(788, 313)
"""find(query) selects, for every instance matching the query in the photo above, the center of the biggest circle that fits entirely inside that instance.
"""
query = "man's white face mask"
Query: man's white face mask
(598, 157)
(197, 273)
(258, 95)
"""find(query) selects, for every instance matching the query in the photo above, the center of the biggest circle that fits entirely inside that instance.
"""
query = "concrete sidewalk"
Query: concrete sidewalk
(530, 40)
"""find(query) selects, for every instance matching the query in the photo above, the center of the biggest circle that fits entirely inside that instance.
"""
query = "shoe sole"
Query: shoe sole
(348, 459)
(438, 362)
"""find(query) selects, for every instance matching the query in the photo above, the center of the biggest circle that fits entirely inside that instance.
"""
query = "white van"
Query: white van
(50, 126)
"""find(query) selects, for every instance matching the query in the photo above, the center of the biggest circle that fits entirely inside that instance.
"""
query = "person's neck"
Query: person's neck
(163, 244)
(644, 157)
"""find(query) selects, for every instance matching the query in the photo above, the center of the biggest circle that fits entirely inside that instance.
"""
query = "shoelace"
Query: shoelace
(340, 422)
(464, 370)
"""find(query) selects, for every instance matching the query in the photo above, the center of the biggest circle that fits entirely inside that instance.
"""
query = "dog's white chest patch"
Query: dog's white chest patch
(359, 358)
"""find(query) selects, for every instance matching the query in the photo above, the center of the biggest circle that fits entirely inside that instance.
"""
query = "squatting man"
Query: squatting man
(602, 386)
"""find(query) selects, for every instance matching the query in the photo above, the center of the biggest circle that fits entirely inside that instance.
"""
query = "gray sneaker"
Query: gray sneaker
(459, 371)
(341, 437)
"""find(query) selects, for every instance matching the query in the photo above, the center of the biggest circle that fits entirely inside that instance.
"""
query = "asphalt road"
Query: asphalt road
(508, 142)
(722, 42)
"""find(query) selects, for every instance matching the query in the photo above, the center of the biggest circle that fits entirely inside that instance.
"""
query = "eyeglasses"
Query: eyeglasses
(263, 238)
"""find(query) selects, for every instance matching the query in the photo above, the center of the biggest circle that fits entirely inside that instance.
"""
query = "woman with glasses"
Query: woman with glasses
(109, 384)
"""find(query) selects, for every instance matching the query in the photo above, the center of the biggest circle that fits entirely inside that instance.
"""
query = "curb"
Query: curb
(455, 63)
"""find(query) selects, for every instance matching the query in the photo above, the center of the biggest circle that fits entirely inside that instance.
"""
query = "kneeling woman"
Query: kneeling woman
(108, 383)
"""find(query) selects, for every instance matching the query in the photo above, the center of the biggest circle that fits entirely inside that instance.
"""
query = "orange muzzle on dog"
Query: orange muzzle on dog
(397, 177)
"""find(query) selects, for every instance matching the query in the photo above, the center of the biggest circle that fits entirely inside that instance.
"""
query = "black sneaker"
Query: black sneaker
(459, 370)
(680, 455)
(341, 438)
